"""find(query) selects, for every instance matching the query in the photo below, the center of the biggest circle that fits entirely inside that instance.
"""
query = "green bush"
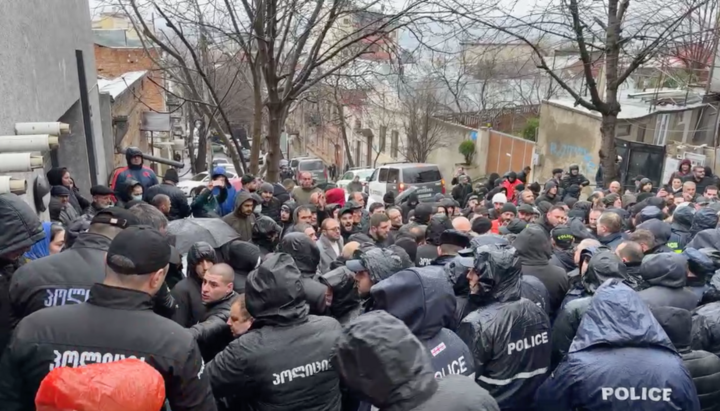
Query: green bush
(467, 149)
(530, 129)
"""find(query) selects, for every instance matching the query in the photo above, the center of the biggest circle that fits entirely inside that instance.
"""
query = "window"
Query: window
(393, 176)
(622, 130)
(200, 177)
(394, 144)
(383, 178)
(358, 124)
(421, 175)
(373, 177)
(310, 165)
(347, 176)
(383, 134)
(346, 21)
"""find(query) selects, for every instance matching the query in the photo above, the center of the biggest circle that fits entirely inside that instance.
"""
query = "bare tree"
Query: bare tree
(624, 37)
(424, 133)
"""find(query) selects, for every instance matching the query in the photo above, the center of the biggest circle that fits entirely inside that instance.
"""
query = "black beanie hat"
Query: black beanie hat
(508, 207)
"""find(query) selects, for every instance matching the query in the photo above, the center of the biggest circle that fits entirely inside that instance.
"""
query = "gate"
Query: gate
(508, 153)
(640, 159)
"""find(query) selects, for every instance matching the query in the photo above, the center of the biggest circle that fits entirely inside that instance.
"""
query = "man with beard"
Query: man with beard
(330, 243)
(507, 212)
(527, 213)
(699, 178)
(526, 197)
(593, 217)
(550, 194)
(347, 228)
(563, 242)
(242, 218)
(270, 205)
(380, 229)
(102, 198)
(462, 190)
(302, 193)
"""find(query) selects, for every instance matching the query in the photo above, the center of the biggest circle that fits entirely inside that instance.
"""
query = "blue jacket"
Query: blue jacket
(227, 206)
(425, 302)
(620, 359)
(140, 173)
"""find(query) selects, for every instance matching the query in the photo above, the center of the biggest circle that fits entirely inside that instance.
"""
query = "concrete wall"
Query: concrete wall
(566, 137)
(108, 131)
(447, 157)
(39, 75)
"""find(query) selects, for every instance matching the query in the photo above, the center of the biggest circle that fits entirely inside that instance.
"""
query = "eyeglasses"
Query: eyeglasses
(333, 229)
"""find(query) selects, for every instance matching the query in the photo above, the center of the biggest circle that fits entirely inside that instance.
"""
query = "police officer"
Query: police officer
(117, 322)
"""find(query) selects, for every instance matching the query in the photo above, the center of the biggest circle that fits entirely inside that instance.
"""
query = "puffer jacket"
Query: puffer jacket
(704, 367)
(306, 255)
(226, 196)
(260, 368)
(240, 222)
(179, 207)
(620, 357)
(345, 305)
(508, 335)
(706, 328)
(534, 250)
(243, 257)
(140, 173)
(661, 231)
(680, 229)
(704, 219)
(271, 208)
(665, 274)
(379, 358)
(426, 304)
(288, 206)
(21, 229)
(188, 292)
(604, 265)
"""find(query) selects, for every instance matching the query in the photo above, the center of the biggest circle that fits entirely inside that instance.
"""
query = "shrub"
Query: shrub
(467, 149)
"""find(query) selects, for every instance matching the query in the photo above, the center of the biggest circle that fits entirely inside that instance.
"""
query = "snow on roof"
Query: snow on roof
(117, 86)
(634, 107)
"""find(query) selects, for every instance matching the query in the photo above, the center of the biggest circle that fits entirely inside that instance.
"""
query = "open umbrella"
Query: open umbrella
(189, 231)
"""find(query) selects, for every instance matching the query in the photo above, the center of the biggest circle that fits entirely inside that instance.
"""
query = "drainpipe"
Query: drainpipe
(32, 142)
(19, 162)
(12, 185)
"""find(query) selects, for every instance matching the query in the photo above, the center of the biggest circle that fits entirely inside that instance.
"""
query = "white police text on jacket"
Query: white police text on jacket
(634, 394)
(527, 343)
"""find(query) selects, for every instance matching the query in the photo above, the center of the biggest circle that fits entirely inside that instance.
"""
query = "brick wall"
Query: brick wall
(113, 62)
(144, 95)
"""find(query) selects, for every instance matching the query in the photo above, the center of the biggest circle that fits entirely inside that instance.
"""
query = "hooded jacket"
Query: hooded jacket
(564, 259)
(680, 227)
(620, 359)
(456, 274)
(427, 253)
(99, 331)
(409, 205)
(604, 265)
(140, 173)
(78, 202)
(261, 368)
(270, 208)
(243, 257)
(709, 238)
(661, 231)
(179, 207)
(21, 229)
(679, 173)
(226, 196)
(534, 251)
(510, 183)
(288, 206)
(240, 222)
(426, 304)
(704, 219)
(188, 292)
(345, 305)
(546, 197)
(379, 358)
(704, 367)
(306, 255)
(509, 336)
(665, 274)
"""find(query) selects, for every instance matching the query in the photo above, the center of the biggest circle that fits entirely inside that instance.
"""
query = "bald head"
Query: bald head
(315, 197)
(462, 224)
(223, 271)
(349, 249)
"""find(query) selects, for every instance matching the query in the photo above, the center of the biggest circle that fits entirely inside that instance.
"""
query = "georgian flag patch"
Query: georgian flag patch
(437, 350)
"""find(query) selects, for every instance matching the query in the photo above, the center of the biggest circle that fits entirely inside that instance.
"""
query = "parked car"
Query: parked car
(221, 162)
(401, 176)
(316, 167)
(349, 175)
(202, 179)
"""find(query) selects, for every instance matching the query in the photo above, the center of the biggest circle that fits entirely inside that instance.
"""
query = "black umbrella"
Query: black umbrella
(189, 231)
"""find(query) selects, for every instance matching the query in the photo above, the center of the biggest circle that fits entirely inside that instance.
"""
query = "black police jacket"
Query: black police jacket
(115, 324)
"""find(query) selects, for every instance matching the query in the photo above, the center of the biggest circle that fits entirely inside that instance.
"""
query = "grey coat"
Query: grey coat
(327, 253)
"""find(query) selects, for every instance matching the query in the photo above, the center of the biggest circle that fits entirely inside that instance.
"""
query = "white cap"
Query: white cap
(499, 198)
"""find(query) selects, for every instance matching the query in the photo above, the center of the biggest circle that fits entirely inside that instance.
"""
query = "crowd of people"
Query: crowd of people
(505, 295)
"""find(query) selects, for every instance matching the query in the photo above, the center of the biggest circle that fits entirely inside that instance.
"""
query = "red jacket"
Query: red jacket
(510, 187)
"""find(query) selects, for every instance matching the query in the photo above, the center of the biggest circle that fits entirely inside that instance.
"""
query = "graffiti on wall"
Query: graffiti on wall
(567, 154)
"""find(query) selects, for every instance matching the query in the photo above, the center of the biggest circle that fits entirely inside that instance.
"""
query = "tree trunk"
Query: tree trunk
(343, 132)
(257, 124)
(276, 114)
(191, 141)
(607, 146)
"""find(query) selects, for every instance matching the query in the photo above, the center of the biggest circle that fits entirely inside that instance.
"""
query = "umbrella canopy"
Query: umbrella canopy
(189, 231)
